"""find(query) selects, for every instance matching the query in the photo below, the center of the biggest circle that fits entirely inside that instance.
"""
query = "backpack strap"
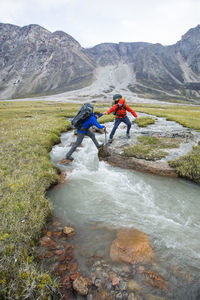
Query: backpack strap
(119, 107)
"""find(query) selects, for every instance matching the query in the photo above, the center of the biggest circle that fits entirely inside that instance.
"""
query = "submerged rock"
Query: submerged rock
(68, 230)
(155, 280)
(131, 246)
(80, 285)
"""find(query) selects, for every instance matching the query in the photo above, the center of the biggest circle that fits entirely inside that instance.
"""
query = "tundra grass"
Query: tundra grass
(144, 121)
(150, 148)
(28, 131)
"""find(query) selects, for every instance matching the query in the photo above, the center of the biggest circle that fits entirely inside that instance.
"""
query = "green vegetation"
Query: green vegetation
(188, 166)
(28, 132)
(150, 148)
(144, 121)
(106, 118)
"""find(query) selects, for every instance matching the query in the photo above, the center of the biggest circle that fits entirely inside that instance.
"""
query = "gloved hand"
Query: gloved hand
(105, 113)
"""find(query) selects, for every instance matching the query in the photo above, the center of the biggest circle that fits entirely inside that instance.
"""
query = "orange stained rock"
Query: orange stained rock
(131, 246)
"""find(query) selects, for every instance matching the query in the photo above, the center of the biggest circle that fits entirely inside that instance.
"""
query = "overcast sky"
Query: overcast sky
(93, 22)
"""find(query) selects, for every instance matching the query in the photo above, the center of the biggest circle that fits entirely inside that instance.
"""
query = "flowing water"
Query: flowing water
(97, 196)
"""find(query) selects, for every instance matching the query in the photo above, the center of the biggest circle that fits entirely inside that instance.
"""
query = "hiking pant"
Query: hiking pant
(116, 124)
(80, 137)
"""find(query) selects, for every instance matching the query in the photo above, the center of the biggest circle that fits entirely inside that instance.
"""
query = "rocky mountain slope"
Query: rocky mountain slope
(34, 61)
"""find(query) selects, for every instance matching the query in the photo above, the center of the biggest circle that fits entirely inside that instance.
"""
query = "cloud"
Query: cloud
(96, 21)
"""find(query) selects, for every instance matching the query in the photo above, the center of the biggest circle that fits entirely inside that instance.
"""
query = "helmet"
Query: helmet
(117, 97)
(121, 102)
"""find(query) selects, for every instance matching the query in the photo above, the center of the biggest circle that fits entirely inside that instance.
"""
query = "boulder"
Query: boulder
(131, 246)
(80, 285)
(161, 168)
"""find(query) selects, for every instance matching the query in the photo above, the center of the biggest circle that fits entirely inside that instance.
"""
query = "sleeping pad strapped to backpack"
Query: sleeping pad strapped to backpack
(84, 113)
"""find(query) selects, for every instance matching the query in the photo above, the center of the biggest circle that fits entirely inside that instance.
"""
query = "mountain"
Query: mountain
(34, 61)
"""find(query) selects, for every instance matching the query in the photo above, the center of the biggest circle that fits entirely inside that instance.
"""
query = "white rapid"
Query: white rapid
(97, 194)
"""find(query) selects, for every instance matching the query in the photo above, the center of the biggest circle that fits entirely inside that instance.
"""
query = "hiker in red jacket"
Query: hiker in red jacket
(119, 110)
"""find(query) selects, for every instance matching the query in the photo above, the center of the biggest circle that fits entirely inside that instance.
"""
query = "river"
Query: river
(98, 198)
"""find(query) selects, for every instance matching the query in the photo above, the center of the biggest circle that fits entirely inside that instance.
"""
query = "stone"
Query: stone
(103, 295)
(80, 285)
(115, 281)
(62, 268)
(67, 283)
(131, 246)
(48, 254)
(133, 286)
(46, 241)
(74, 276)
(64, 161)
(56, 224)
(73, 267)
(58, 252)
(68, 230)
(57, 233)
(155, 280)
(62, 178)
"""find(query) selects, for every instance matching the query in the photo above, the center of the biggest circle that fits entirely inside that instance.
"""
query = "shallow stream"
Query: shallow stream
(98, 198)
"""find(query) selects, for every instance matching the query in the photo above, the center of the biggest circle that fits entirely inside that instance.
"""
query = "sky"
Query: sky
(92, 22)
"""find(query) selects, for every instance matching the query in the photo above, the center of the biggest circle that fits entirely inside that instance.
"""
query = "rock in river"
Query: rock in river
(131, 246)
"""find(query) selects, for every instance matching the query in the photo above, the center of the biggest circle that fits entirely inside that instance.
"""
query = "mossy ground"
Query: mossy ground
(150, 148)
(144, 121)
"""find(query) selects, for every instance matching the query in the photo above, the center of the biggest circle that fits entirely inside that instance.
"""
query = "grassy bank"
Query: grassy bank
(28, 131)
(187, 166)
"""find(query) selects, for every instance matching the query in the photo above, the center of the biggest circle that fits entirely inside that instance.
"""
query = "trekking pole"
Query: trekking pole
(105, 137)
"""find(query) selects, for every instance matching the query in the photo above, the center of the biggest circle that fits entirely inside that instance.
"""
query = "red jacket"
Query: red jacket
(121, 111)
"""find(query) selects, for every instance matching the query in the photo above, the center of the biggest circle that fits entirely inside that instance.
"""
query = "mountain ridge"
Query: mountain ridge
(34, 61)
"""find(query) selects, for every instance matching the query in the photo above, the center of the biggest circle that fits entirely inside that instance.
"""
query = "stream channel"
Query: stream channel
(98, 198)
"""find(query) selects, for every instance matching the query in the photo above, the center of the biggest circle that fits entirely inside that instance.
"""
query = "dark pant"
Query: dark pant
(80, 137)
(116, 124)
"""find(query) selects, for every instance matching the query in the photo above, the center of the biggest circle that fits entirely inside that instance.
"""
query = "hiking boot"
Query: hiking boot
(128, 136)
(100, 146)
(69, 158)
(110, 141)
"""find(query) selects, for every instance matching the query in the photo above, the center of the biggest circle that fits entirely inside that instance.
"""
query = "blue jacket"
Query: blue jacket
(92, 121)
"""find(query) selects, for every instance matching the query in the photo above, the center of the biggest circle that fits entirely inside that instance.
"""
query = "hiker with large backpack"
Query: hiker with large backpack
(84, 119)
(119, 110)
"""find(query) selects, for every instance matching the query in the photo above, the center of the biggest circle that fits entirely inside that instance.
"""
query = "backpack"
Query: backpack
(116, 98)
(84, 113)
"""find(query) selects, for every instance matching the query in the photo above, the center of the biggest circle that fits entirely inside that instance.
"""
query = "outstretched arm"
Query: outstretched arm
(131, 111)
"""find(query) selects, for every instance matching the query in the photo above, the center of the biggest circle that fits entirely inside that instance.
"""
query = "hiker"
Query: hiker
(119, 110)
(84, 130)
